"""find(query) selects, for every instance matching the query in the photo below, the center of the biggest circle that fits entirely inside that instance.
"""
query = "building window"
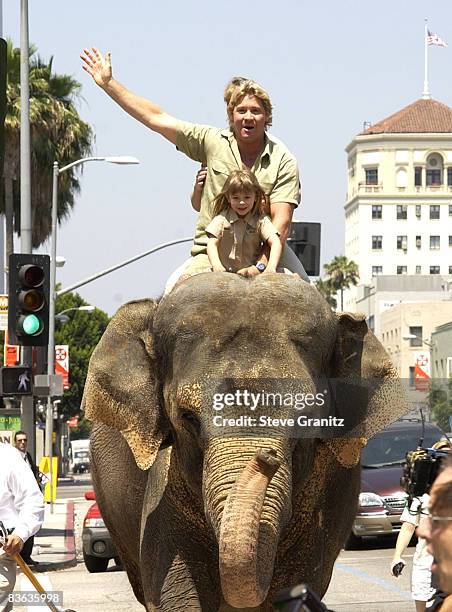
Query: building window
(434, 243)
(401, 211)
(449, 177)
(377, 243)
(371, 322)
(377, 270)
(433, 178)
(411, 378)
(450, 269)
(402, 242)
(434, 211)
(371, 176)
(416, 330)
(418, 211)
(434, 171)
(450, 241)
(377, 212)
(418, 242)
(418, 176)
(418, 270)
(434, 269)
(450, 210)
(401, 270)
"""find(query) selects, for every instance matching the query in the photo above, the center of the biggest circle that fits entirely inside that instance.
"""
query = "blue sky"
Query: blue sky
(328, 67)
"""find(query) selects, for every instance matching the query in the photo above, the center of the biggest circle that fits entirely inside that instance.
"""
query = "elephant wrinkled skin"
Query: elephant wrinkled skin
(205, 521)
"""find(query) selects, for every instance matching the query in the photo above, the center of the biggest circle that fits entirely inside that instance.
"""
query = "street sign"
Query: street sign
(16, 380)
(3, 312)
(62, 363)
(11, 354)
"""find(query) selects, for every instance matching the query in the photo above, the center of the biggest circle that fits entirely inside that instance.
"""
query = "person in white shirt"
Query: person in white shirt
(21, 512)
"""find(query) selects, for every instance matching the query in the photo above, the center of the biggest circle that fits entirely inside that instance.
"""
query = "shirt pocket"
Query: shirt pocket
(220, 168)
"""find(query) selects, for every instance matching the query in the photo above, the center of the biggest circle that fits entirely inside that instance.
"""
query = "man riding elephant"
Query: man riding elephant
(245, 142)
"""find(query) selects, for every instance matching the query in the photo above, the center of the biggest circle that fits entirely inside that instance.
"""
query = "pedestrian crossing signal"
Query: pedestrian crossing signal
(16, 380)
(28, 300)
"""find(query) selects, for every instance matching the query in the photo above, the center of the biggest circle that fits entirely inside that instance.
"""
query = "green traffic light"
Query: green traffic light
(31, 325)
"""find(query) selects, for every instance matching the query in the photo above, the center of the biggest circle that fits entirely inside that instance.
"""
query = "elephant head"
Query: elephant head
(152, 377)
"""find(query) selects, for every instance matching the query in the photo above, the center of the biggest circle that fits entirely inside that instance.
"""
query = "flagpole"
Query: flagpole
(425, 93)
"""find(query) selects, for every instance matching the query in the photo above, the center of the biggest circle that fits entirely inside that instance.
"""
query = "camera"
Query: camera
(420, 470)
(300, 598)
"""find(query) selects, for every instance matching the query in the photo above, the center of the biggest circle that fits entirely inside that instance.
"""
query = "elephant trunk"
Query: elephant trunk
(244, 581)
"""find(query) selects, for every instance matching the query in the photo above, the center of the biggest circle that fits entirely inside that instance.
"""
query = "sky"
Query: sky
(328, 66)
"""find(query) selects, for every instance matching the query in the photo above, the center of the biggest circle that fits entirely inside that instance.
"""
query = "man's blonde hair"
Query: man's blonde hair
(248, 87)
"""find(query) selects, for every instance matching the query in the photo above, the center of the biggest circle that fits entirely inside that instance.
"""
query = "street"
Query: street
(360, 582)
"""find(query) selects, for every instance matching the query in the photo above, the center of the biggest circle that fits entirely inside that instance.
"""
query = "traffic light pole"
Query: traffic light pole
(27, 412)
(51, 345)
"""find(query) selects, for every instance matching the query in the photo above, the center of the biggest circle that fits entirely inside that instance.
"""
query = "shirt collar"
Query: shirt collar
(266, 151)
(249, 219)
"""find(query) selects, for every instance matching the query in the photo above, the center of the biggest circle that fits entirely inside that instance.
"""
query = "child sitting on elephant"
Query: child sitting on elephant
(240, 226)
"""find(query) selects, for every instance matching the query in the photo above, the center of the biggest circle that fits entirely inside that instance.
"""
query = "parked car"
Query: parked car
(382, 498)
(98, 547)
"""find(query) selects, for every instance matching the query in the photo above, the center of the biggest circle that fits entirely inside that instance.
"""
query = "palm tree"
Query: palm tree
(325, 288)
(57, 133)
(341, 274)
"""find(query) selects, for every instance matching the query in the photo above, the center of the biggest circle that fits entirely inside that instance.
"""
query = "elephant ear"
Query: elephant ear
(121, 387)
(368, 392)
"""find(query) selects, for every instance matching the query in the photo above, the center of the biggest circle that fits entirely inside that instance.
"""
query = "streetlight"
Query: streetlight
(63, 318)
(414, 337)
(118, 159)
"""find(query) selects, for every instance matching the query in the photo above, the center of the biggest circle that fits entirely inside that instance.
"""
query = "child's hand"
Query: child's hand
(219, 268)
(200, 179)
(250, 271)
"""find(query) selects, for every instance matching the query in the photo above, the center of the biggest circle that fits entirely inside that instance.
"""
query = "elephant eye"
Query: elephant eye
(189, 417)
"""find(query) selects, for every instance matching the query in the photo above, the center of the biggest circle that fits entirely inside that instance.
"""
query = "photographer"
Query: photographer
(437, 531)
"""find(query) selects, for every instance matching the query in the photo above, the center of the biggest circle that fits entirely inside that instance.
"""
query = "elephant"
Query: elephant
(205, 519)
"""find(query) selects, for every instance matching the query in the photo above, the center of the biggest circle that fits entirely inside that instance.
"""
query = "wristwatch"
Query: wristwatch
(260, 266)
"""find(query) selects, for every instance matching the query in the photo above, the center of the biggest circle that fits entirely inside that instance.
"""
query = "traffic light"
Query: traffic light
(28, 299)
(16, 380)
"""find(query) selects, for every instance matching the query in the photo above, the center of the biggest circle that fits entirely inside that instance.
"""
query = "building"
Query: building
(398, 213)
(383, 292)
(442, 351)
(406, 333)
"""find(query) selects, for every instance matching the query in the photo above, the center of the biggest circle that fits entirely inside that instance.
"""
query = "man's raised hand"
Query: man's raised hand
(97, 66)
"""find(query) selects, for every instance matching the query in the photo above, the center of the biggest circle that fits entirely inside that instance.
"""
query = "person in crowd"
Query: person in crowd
(21, 443)
(245, 143)
(240, 226)
(437, 531)
(421, 576)
(21, 512)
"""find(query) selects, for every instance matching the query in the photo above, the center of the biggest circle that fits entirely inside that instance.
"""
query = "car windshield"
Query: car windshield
(81, 455)
(390, 447)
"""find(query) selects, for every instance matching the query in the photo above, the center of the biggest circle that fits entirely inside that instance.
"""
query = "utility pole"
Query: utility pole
(27, 411)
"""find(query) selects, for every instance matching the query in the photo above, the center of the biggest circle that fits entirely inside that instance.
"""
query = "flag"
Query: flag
(434, 39)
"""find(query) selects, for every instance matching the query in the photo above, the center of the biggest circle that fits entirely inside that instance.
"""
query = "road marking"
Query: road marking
(385, 584)
(347, 559)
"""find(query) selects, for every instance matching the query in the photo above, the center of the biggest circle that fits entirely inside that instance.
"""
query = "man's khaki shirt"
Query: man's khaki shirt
(275, 168)
(240, 238)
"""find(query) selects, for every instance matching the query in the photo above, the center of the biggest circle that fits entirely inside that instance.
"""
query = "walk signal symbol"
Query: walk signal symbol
(28, 309)
(16, 380)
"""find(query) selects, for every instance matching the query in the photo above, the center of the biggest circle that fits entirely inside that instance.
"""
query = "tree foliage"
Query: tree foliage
(341, 274)
(81, 332)
(57, 134)
(440, 401)
(328, 292)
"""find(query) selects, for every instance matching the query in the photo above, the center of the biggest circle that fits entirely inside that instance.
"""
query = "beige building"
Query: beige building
(398, 213)
(406, 330)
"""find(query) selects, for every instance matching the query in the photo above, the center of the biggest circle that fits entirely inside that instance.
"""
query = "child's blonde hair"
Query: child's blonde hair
(241, 180)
